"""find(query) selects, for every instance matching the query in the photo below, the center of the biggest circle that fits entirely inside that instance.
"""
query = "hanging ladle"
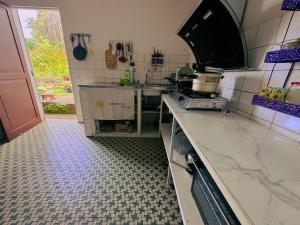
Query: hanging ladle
(122, 58)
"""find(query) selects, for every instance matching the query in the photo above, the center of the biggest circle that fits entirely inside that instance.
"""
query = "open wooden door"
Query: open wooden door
(18, 108)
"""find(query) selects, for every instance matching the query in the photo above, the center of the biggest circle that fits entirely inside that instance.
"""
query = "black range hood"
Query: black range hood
(213, 33)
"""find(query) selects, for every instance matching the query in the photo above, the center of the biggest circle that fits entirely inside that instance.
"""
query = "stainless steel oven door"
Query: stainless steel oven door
(212, 205)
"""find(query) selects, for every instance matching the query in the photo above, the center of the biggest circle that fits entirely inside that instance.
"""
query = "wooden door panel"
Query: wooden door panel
(18, 107)
(9, 54)
(16, 98)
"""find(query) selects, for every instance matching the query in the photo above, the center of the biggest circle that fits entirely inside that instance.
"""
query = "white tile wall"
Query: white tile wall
(237, 80)
(282, 66)
(295, 76)
(294, 30)
(252, 81)
(286, 121)
(93, 69)
(264, 113)
(245, 102)
(240, 86)
(226, 81)
(285, 20)
(234, 100)
(250, 35)
(278, 78)
(256, 57)
(266, 33)
(265, 79)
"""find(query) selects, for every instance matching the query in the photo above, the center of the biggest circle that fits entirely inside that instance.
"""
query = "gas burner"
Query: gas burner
(195, 100)
(192, 94)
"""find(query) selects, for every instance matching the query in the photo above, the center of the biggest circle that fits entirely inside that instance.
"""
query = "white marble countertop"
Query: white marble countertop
(257, 170)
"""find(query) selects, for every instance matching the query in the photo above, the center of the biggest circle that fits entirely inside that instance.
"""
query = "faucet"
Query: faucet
(148, 73)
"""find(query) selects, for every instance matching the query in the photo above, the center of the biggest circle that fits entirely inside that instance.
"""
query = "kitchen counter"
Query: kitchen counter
(133, 86)
(145, 98)
(105, 85)
(257, 170)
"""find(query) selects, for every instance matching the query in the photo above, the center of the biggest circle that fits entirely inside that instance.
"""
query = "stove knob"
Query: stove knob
(180, 98)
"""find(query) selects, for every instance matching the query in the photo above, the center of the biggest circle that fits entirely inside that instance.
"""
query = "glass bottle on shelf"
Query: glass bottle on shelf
(294, 93)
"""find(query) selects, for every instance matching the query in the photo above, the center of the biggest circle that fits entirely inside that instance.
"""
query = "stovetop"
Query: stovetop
(195, 100)
(194, 95)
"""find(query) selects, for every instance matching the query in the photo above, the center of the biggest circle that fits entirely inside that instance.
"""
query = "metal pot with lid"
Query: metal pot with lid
(206, 82)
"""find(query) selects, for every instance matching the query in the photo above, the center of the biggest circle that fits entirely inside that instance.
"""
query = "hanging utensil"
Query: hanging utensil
(122, 58)
(79, 52)
(125, 50)
(72, 38)
(110, 58)
(84, 43)
(129, 50)
(119, 47)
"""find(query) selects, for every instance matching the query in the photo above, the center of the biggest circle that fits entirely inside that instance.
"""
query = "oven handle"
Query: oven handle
(215, 202)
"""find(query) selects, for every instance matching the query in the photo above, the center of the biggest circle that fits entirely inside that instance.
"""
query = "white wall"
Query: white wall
(260, 11)
(147, 23)
(265, 26)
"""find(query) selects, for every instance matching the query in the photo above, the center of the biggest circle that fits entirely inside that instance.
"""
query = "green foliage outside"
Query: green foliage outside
(46, 49)
(49, 61)
(53, 108)
(41, 89)
(59, 92)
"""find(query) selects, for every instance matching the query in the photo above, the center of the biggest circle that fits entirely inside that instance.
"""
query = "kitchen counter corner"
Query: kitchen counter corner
(256, 169)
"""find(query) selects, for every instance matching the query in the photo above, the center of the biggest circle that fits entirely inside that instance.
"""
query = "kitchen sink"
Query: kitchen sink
(155, 89)
(148, 89)
(158, 86)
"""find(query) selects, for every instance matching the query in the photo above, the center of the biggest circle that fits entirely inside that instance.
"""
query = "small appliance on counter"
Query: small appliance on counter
(199, 89)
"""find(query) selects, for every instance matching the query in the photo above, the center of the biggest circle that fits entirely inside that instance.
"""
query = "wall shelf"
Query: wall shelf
(284, 55)
(279, 106)
(291, 5)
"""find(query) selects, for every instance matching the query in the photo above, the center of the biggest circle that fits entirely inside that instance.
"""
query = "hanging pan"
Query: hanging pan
(79, 51)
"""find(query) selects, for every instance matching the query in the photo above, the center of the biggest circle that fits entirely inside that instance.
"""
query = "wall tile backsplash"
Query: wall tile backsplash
(93, 69)
(266, 33)
(240, 86)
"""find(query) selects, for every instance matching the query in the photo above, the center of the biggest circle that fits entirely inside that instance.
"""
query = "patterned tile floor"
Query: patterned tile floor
(53, 174)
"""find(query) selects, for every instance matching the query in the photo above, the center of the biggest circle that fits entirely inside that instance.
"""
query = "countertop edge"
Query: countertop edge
(236, 207)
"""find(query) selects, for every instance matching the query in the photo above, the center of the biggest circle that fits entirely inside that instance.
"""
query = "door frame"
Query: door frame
(27, 64)
(18, 25)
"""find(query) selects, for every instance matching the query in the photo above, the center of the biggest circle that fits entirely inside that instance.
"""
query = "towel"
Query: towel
(111, 103)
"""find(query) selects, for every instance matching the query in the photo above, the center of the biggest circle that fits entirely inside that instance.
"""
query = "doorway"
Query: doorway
(43, 34)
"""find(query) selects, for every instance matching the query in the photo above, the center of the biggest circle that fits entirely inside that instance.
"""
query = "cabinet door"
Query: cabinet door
(18, 108)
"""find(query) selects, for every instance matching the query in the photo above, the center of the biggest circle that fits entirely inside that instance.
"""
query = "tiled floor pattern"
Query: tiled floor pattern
(53, 174)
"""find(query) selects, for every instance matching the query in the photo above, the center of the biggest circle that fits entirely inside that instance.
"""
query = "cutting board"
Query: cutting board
(110, 58)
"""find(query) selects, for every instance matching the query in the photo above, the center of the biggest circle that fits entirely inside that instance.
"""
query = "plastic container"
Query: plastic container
(294, 93)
